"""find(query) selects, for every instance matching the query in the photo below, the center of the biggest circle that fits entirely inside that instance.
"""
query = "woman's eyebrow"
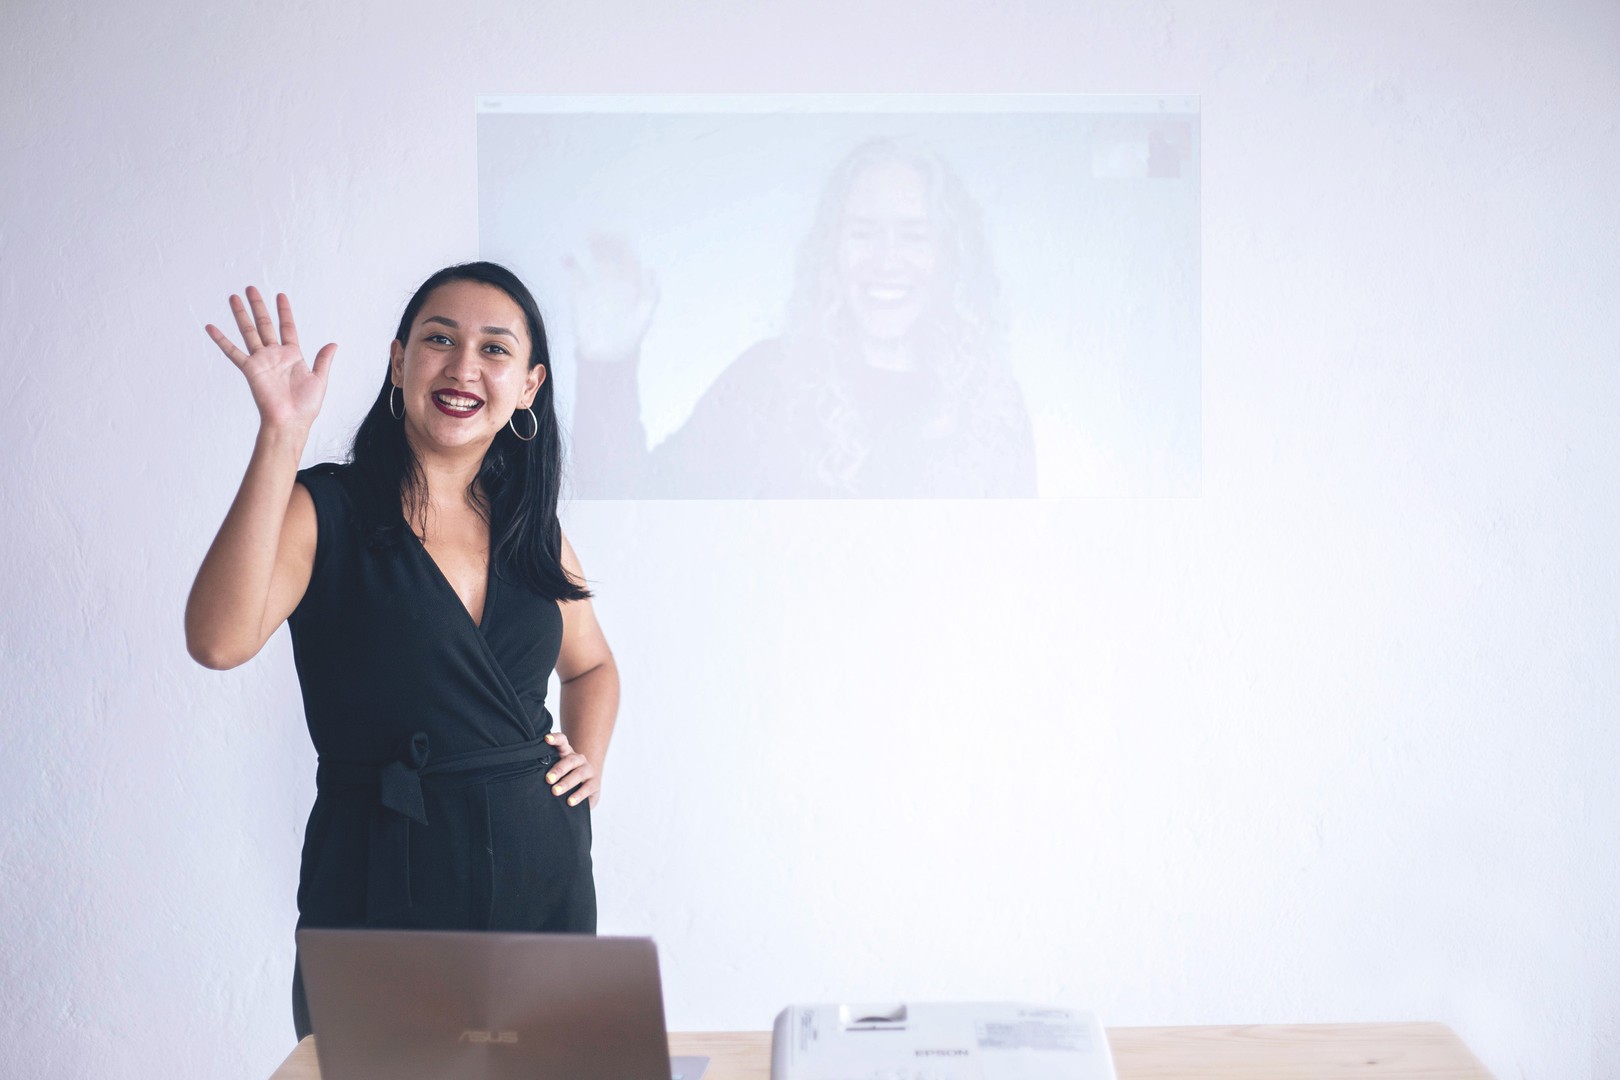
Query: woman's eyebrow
(452, 324)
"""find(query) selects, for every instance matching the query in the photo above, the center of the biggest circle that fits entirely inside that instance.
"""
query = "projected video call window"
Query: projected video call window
(859, 297)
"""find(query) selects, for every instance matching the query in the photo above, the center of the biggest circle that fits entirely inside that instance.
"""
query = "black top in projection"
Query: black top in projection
(776, 425)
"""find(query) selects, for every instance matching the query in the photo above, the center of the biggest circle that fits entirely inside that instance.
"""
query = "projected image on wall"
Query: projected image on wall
(812, 298)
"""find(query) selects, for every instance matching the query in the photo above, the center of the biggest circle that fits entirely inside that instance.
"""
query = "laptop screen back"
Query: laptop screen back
(430, 1005)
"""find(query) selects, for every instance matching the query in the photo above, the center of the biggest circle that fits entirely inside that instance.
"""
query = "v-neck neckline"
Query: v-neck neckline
(489, 579)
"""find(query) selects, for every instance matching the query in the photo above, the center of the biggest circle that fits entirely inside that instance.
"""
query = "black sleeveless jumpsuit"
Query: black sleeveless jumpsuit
(432, 809)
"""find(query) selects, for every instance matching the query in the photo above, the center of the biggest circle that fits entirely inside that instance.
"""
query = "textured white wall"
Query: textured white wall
(1334, 742)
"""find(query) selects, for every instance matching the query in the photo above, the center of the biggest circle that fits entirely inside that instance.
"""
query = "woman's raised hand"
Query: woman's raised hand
(287, 392)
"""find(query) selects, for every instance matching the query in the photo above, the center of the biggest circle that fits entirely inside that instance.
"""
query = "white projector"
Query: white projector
(939, 1041)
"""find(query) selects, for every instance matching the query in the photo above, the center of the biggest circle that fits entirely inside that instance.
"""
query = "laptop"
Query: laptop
(437, 1004)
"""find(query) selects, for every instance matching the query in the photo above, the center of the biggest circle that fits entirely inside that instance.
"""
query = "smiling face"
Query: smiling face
(465, 368)
(887, 250)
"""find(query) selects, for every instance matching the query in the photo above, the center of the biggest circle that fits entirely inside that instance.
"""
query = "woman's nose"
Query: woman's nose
(888, 253)
(461, 363)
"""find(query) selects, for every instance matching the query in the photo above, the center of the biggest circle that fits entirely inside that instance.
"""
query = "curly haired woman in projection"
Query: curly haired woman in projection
(888, 380)
(430, 593)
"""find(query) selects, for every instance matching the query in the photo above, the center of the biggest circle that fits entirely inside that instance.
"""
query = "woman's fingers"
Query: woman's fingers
(226, 345)
(588, 789)
(560, 741)
(289, 330)
(569, 773)
(261, 318)
(573, 774)
(259, 331)
(244, 323)
(284, 389)
(323, 360)
(564, 768)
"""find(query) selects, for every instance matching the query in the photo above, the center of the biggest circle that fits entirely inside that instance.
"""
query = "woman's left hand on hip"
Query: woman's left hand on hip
(572, 775)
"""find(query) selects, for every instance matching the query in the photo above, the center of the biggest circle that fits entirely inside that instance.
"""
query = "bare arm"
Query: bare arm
(590, 697)
(259, 565)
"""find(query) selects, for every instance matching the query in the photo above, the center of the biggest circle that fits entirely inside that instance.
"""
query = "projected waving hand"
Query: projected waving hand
(612, 300)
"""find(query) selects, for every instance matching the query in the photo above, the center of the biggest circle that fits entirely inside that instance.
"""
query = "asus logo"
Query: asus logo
(476, 1035)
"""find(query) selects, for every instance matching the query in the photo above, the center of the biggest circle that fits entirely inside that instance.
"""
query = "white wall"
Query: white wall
(1333, 742)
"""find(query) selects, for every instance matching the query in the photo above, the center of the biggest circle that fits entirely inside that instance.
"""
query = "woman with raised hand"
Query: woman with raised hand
(430, 593)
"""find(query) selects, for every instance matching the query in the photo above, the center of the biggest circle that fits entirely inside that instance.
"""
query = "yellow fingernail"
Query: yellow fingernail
(551, 778)
(557, 790)
(573, 802)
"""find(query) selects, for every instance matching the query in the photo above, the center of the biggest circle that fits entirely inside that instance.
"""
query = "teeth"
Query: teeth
(458, 402)
(880, 293)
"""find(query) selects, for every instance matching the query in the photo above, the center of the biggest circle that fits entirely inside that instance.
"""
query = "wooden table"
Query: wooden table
(1245, 1052)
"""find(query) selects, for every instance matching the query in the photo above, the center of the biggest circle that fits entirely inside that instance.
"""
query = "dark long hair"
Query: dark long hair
(521, 479)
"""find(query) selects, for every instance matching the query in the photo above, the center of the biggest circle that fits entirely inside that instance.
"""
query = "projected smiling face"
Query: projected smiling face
(887, 251)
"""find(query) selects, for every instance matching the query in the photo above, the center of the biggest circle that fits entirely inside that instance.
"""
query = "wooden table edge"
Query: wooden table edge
(749, 1051)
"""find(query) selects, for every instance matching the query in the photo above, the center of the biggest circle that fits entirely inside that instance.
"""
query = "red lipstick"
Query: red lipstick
(460, 413)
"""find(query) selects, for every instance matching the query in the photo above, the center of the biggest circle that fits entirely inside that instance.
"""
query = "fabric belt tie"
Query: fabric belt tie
(400, 802)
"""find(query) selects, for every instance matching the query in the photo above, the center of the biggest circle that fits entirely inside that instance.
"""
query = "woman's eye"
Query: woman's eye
(444, 339)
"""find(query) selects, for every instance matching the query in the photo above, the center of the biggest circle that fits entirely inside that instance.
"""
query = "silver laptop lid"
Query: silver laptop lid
(432, 1005)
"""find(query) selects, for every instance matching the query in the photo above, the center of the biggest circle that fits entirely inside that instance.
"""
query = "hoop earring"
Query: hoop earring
(533, 431)
(396, 415)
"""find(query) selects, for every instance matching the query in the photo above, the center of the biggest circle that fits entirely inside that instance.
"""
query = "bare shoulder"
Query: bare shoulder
(570, 560)
(572, 567)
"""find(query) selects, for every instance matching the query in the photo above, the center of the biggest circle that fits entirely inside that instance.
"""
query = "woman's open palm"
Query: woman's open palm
(286, 390)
